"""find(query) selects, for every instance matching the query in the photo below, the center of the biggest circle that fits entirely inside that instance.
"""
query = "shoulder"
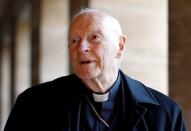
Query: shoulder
(168, 110)
(157, 104)
(162, 99)
(167, 104)
(149, 96)
(60, 86)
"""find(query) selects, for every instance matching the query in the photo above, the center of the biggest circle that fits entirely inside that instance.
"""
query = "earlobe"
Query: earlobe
(122, 42)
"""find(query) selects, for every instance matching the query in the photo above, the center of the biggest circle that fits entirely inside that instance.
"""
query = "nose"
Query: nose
(84, 47)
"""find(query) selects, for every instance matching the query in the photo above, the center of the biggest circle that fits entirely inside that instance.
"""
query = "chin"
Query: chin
(87, 75)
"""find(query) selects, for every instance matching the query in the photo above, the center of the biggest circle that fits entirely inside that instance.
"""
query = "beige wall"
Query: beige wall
(54, 26)
(145, 24)
(5, 90)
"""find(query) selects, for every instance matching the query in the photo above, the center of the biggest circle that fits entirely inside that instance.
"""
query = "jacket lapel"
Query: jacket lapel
(138, 122)
(134, 98)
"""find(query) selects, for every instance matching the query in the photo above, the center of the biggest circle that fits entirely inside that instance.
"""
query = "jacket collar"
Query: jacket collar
(138, 91)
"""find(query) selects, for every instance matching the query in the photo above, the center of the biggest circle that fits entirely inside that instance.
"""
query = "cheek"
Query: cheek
(73, 55)
(105, 58)
(109, 52)
(100, 52)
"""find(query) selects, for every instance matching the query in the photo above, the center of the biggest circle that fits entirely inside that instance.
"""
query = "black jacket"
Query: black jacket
(54, 106)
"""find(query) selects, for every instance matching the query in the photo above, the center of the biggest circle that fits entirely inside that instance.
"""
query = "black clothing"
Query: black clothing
(61, 105)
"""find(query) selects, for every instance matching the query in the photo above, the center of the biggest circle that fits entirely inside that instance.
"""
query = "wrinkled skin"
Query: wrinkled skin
(96, 46)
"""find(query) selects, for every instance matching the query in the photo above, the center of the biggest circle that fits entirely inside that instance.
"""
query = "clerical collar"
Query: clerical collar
(100, 97)
(110, 94)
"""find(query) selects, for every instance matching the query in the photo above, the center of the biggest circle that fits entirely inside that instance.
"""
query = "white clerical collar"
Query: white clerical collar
(100, 97)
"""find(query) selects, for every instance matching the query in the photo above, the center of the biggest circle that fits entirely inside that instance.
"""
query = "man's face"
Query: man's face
(93, 48)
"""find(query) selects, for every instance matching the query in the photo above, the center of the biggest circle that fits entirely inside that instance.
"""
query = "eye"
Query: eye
(96, 37)
(74, 41)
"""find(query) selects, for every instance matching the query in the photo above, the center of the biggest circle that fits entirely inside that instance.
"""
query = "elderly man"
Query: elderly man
(98, 96)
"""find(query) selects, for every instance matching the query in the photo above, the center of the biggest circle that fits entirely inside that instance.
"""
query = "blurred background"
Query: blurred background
(33, 45)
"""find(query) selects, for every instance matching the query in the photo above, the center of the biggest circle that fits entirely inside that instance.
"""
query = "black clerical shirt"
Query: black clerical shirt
(107, 110)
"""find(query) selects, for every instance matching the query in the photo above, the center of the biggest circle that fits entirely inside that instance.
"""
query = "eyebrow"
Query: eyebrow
(97, 31)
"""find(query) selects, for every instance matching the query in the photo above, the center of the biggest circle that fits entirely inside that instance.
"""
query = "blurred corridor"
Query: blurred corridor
(33, 45)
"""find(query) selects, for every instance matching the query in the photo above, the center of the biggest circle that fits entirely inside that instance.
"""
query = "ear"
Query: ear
(122, 43)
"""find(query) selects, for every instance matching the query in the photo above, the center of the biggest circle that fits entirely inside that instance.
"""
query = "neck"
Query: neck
(102, 83)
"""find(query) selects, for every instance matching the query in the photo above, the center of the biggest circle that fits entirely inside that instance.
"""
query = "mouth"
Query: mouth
(86, 62)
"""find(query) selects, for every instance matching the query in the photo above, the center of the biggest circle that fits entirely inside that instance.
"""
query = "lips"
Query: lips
(86, 62)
